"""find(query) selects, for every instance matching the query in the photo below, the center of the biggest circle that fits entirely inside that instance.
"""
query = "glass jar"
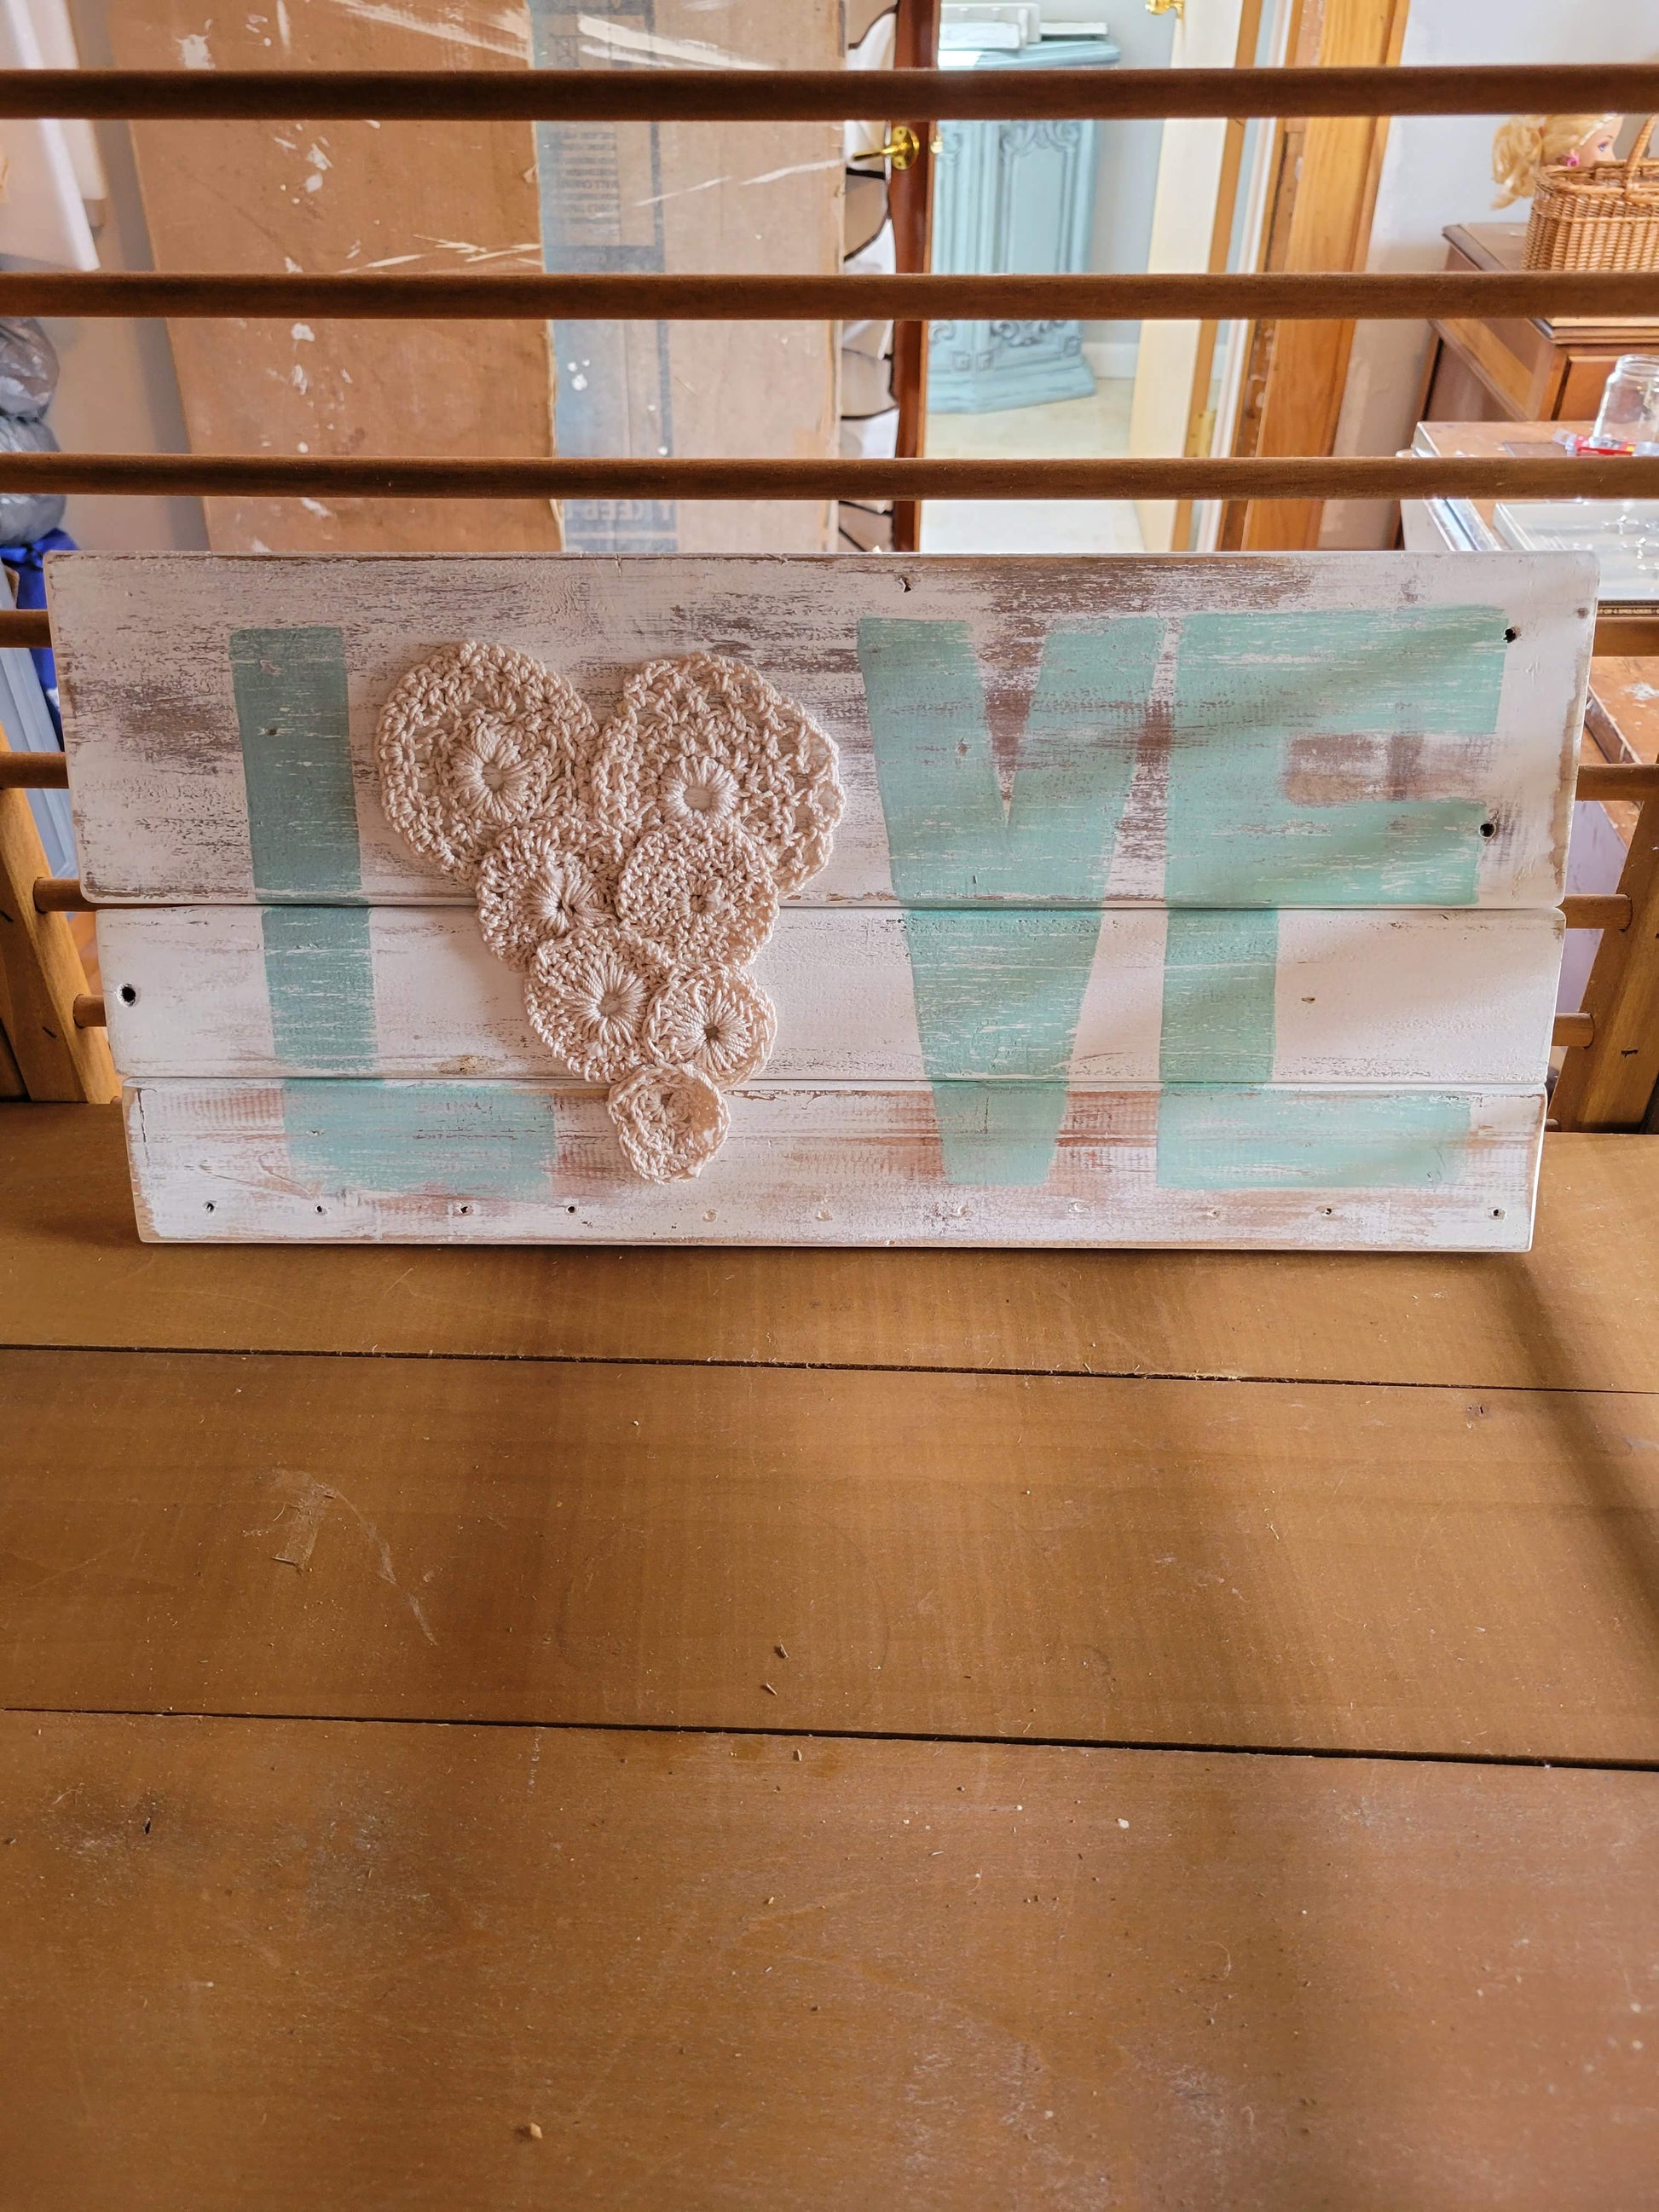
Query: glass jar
(1628, 413)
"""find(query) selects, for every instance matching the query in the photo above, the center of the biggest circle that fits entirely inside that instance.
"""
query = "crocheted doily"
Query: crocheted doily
(588, 996)
(704, 739)
(632, 872)
(542, 881)
(470, 742)
(701, 890)
(670, 1122)
(717, 1019)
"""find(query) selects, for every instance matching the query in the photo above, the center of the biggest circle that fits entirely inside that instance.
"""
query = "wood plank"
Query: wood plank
(1346, 730)
(459, 1969)
(954, 1163)
(1462, 998)
(1407, 1569)
(339, 196)
(1580, 1310)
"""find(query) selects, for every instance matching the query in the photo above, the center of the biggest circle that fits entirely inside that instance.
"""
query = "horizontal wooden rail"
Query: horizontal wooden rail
(33, 772)
(538, 477)
(1596, 910)
(1629, 780)
(1304, 296)
(1632, 635)
(60, 895)
(24, 626)
(1582, 909)
(758, 95)
(1573, 1030)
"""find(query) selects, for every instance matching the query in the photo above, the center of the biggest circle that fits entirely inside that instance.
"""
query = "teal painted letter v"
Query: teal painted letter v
(998, 993)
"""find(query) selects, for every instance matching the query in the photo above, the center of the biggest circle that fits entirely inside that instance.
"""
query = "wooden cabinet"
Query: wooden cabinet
(1516, 369)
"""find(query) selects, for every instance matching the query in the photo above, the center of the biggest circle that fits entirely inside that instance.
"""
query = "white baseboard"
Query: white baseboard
(1110, 357)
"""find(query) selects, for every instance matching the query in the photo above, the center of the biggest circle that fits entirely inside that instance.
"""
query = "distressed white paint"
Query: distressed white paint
(155, 761)
(1389, 997)
(826, 1165)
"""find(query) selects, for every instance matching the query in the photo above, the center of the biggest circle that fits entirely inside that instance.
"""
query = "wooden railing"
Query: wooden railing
(1612, 1039)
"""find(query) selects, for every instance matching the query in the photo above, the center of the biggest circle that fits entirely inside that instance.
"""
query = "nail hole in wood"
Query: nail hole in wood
(129, 996)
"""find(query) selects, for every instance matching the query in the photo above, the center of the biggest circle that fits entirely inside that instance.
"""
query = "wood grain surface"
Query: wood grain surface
(1431, 1570)
(1579, 1310)
(488, 1970)
(1351, 730)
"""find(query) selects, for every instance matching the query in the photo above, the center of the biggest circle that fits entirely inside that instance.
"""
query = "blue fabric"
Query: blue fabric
(29, 562)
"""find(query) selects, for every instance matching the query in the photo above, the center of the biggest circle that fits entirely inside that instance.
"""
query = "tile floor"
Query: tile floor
(1096, 425)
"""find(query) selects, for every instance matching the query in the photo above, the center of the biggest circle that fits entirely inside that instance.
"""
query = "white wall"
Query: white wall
(1437, 170)
(1128, 152)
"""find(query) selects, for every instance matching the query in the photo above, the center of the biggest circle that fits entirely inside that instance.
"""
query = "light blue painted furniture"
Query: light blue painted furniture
(1015, 196)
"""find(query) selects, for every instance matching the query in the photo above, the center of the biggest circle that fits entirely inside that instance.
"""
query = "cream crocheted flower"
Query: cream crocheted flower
(711, 739)
(545, 879)
(588, 995)
(705, 895)
(670, 1122)
(717, 1020)
(473, 740)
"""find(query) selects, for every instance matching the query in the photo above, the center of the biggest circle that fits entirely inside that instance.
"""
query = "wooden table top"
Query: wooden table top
(1503, 245)
(709, 1728)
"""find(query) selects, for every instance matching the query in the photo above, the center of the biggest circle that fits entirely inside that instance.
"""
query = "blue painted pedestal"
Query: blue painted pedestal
(1015, 198)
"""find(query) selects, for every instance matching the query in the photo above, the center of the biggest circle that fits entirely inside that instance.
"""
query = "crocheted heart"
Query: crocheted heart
(631, 872)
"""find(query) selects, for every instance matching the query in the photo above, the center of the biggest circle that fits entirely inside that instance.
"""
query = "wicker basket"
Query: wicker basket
(1607, 217)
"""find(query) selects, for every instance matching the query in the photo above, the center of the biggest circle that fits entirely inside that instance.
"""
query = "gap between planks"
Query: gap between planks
(966, 1738)
(724, 1363)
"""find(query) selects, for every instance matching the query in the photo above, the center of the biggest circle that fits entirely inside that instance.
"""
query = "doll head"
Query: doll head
(1526, 143)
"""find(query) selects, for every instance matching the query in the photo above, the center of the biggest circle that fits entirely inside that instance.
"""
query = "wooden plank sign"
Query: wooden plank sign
(1191, 902)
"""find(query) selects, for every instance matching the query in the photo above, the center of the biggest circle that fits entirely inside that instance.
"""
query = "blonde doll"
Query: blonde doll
(1527, 143)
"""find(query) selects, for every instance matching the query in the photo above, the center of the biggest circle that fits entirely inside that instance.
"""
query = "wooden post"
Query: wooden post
(910, 201)
(1609, 1082)
(41, 976)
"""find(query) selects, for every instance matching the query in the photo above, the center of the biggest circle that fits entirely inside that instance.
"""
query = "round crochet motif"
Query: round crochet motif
(706, 739)
(588, 995)
(717, 1020)
(705, 895)
(545, 879)
(472, 741)
(670, 1122)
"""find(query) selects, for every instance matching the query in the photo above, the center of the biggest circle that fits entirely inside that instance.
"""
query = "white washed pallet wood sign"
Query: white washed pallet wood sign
(1174, 901)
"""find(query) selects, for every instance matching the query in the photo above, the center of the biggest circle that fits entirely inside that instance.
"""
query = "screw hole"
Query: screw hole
(570, 1209)
(1497, 1214)
(1509, 636)
(129, 996)
(210, 1206)
(1488, 828)
(319, 1209)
